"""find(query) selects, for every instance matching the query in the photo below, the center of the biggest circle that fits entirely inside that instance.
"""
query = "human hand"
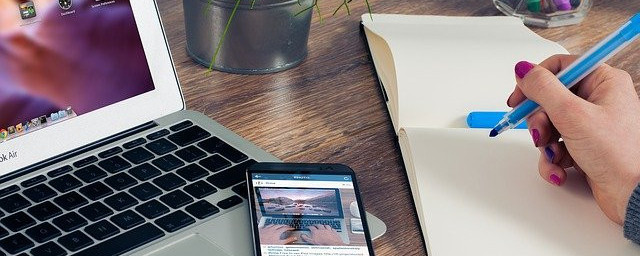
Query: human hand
(271, 234)
(599, 126)
(322, 235)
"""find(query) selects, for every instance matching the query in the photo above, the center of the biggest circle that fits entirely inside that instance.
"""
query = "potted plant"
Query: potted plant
(250, 36)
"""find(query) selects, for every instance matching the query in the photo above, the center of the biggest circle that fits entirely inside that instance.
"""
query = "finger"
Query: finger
(268, 226)
(306, 238)
(540, 128)
(550, 172)
(313, 228)
(319, 226)
(554, 64)
(327, 227)
(290, 239)
(566, 160)
(543, 87)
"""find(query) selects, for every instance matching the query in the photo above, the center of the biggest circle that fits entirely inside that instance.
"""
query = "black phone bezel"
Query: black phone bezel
(301, 168)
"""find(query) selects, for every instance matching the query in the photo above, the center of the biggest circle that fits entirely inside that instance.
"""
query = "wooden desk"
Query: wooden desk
(329, 109)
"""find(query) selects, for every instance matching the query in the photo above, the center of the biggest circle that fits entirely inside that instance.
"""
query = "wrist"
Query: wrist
(627, 193)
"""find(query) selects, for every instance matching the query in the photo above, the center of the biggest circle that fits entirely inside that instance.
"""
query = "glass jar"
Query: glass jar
(546, 13)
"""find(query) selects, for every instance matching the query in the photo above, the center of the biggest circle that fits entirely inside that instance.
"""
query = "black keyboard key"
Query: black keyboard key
(69, 221)
(144, 172)
(192, 172)
(161, 146)
(189, 136)
(43, 232)
(90, 174)
(65, 183)
(120, 201)
(229, 202)
(110, 152)
(49, 249)
(101, 230)
(114, 164)
(39, 193)
(33, 181)
(126, 241)
(158, 134)
(59, 171)
(241, 189)
(231, 176)
(120, 181)
(145, 191)
(215, 163)
(18, 221)
(176, 199)
(168, 163)
(95, 211)
(190, 154)
(86, 161)
(180, 126)
(152, 209)
(13, 203)
(138, 155)
(200, 189)
(75, 241)
(134, 143)
(127, 219)
(175, 221)
(44, 211)
(70, 201)
(202, 209)
(3, 232)
(169, 181)
(9, 190)
(96, 191)
(16, 243)
(216, 145)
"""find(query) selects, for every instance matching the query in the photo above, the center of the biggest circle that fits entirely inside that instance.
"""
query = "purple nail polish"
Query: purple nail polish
(535, 134)
(549, 153)
(555, 179)
(522, 68)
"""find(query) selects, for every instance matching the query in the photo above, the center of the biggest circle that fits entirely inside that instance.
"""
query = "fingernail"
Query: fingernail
(535, 134)
(549, 153)
(555, 179)
(522, 68)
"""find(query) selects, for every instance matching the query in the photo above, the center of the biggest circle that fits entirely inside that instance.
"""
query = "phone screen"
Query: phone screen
(307, 214)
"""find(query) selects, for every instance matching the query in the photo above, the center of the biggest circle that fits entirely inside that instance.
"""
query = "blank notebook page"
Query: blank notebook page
(484, 196)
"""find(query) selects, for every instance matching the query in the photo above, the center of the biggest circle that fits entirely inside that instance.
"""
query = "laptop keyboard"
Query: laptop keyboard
(303, 224)
(124, 197)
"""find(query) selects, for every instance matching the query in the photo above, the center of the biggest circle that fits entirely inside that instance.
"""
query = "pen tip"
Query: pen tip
(493, 133)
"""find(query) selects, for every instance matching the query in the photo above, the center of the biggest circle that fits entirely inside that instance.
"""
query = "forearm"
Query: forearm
(632, 218)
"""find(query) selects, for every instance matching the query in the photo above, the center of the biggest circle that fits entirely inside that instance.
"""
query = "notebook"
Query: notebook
(474, 194)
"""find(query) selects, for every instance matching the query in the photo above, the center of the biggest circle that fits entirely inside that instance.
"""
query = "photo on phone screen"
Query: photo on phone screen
(307, 214)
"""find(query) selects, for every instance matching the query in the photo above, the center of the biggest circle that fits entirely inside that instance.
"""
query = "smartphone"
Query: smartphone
(306, 209)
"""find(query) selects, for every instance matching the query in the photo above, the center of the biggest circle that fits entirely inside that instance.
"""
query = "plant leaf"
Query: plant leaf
(224, 34)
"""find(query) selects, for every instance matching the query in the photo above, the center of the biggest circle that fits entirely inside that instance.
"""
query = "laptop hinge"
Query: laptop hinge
(78, 151)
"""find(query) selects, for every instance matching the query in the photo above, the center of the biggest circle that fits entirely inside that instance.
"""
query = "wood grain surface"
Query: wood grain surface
(329, 109)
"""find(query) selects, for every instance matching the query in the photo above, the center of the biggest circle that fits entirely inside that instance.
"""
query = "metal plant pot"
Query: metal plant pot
(267, 38)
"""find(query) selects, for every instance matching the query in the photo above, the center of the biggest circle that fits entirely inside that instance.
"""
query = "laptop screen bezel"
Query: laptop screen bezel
(265, 214)
(102, 123)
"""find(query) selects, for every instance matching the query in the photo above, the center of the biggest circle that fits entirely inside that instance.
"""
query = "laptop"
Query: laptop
(98, 155)
(301, 208)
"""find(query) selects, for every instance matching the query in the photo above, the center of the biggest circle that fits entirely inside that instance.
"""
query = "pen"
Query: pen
(575, 72)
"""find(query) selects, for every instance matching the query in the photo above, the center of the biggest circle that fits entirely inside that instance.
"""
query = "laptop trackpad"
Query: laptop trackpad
(194, 245)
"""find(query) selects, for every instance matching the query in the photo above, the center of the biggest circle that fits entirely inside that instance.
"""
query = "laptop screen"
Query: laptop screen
(64, 58)
(299, 202)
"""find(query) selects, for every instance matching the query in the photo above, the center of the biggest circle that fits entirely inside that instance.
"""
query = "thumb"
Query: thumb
(290, 239)
(543, 87)
(306, 238)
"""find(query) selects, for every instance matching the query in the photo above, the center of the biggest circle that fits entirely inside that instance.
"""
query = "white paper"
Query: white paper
(484, 196)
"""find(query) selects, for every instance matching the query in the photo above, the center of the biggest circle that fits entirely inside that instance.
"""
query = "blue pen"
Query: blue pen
(575, 72)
